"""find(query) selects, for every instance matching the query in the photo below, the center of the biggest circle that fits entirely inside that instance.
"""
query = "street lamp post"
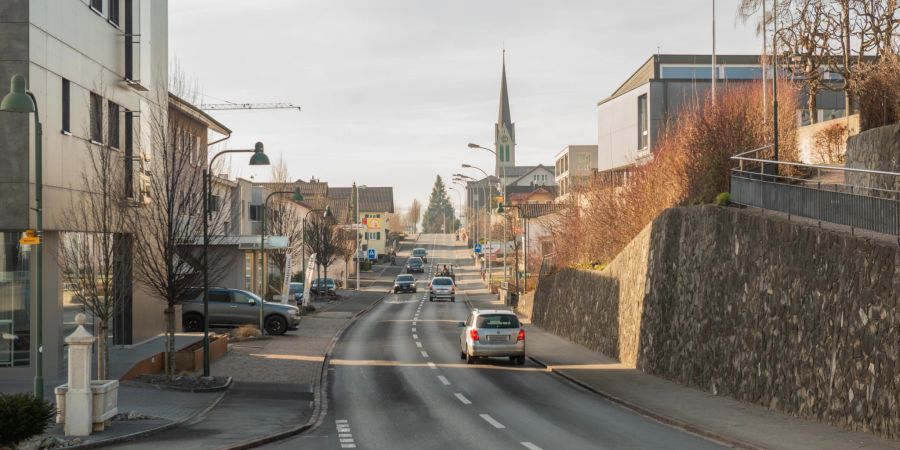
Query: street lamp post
(466, 178)
(21, 100)
(524, 241)
(356, 229)
(487, 216)
(297, 197)
(259, 158)
(502, 193)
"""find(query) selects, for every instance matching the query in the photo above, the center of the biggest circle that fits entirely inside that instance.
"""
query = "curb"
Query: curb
(159, 387)
(145, 433)
(661, 418)
(320, 394)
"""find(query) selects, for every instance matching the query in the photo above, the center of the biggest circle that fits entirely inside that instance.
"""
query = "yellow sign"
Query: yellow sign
(373, 223)
(30, 233)
(30, 240)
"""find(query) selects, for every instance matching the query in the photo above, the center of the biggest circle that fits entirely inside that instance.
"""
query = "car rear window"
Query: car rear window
(418, 251)
(497, 321)
(442, 282)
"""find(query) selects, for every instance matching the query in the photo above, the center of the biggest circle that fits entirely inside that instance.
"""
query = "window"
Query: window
(15, 315)
(113, 131)
(243, 298)
(66, 118)
(218, 296)
(686, 73)
(255, 212)
(215, 202)
(643, 132)
(743, 73)
(129, 154)
(498, 321)
(96, 118)
(114, 12)
(97, 5)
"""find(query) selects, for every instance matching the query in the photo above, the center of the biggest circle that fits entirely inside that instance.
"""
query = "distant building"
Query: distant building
(574, 166)
(631, 120)
(375, 205)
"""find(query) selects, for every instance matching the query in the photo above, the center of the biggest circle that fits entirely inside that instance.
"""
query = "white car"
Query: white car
(441, 288)
(492, 333)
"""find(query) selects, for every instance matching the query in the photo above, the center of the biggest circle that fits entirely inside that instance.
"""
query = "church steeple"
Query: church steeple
(504, 130)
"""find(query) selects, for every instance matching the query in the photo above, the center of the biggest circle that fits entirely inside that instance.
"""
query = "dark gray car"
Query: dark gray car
(415, 264)
(236, 307)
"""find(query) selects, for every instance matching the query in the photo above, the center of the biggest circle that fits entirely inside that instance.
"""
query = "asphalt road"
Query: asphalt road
(397, 382)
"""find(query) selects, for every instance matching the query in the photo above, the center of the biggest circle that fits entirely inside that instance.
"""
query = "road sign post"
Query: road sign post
(372, 254)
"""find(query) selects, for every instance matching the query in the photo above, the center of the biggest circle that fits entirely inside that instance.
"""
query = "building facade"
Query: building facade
(574, 166)
(95, 68)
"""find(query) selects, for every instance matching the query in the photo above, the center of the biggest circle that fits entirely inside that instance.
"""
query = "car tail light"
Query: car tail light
(474, 334)
(521, 336)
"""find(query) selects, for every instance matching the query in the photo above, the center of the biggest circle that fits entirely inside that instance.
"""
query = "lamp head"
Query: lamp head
(259, 157)
(297, 196)
(17, 100)
(471, 145)
(466, 166)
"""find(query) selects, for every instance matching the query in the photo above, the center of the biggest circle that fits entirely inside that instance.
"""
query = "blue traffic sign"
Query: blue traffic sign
(478, 248)
(372, 254)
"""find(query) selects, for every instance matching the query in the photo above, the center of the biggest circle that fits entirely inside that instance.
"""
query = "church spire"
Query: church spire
(503, 117)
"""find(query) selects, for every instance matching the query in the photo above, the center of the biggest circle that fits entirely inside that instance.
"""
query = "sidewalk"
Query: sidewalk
(736, 423)
(275, 382)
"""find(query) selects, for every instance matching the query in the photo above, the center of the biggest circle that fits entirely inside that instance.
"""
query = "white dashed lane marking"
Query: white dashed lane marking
(530, 446)
(487, 418)
(444, 380)
(416, 337)
(424, 354)
(418, 344)
(345, 437)
(462, 398)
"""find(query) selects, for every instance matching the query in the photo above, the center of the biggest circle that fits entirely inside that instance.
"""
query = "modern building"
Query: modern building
(632, 119)
(96, 69)
(574, 166)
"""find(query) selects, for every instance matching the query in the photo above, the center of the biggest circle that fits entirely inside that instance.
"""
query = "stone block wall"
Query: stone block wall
(875, 149)
(792, 317)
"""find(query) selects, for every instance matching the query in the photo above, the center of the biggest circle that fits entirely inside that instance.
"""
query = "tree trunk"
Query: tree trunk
(102, 350)
(170, 342)
(811, 104)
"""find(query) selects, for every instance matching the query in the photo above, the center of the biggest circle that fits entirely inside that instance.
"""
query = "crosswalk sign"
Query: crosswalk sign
(372, 254)
(478, 248)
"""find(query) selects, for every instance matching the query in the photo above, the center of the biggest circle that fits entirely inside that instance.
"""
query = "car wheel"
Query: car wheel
(192, 323)
(275, 325)
(430, 299)
(453, 299)
(520, 360)
(470, 359)
(462, 354)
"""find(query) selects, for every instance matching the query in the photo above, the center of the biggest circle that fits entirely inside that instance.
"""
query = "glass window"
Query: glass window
(96, 118)
(743, 73)
(248, 270)
(219, 296)
(129, 154)
(66, 96)
(113, 130)
(114, 11)
(243, 298)
(15, 301)
(643, 131)
(498, 321)
(255, 212)
(97, 5)
(686, 72)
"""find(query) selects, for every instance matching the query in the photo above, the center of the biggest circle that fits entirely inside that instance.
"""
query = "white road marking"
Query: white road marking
(444, 380)
(530, 446)
(345, 438)
(431, 365)
(463, 399)
(415, 336)
(341, 421)
(414, 322)
(345, 435)
(487, 418)
(414, 329)
(418, 344)
(424, 354)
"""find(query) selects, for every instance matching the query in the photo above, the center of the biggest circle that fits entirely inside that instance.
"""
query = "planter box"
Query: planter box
(105, 399)
(190, 359)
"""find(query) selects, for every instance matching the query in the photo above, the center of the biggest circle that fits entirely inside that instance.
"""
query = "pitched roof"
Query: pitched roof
(340, 207)
(503, 116)
(312, 188)
(515, 190)
(533, 168)
(531, 211)
(371, 199)
(516, 171)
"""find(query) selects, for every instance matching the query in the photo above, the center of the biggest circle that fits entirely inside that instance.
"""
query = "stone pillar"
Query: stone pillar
(79, 401)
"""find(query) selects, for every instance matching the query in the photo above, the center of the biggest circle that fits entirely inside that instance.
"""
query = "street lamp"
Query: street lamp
(500, 210)
(297, 197)
(20, 100)
(487, 216)
(259, 158)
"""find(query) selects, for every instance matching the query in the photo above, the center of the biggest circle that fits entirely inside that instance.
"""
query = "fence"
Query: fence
(858, 198)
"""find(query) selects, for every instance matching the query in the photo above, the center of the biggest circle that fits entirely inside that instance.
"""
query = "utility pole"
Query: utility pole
(715, 69)
(775, 79)
(764, 60)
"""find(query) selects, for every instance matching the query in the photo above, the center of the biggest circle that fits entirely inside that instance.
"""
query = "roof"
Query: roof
(649, 69)
(197, 114)
(503, 115)
(312, 188)
(530, 211)
(539, 166)
(340, 207)
(516, 171)
(371, 199)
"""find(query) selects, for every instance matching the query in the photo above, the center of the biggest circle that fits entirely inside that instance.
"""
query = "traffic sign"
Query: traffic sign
(372, 254)
(478, 249)
(29, 240)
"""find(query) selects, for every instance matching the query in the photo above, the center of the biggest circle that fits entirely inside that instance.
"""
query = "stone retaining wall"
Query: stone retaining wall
(792, 317)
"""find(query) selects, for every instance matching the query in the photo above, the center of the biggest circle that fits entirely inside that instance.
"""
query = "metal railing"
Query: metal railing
(858, 198)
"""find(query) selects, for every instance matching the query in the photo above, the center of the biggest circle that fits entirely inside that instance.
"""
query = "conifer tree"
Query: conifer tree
(440, 213)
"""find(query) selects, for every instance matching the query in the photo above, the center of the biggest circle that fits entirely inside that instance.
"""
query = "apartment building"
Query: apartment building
(574, 166)
(97, 68)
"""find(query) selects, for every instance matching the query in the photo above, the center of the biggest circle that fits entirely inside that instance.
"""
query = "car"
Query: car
(441, 288)
(420, 253)
(404, 283)
(492, 333)
(295, 292)
(415, 264)
(236, 307)
(328, 286)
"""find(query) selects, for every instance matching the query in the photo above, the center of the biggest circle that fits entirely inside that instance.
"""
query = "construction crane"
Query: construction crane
(227, 106)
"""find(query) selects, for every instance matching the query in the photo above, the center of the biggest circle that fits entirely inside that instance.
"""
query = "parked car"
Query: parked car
(404, 283)
(328, 286)
(296, 292)
(236, 307)
(441, 288)
(420, 253)
(492, 333)
(415, 264)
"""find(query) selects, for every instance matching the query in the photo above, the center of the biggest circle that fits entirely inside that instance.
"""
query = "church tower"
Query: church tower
(504, 130)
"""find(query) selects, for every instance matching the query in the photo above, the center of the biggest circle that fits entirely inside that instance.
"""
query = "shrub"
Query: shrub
(831, 143)
(723, 199)
(22, 416)
(365, 265)
(879, 93)
(246, 331)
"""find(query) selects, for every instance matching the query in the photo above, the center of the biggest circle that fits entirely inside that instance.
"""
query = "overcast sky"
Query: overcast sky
(393, 90)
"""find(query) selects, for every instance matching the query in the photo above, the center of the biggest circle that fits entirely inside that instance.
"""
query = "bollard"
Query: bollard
(79, 401)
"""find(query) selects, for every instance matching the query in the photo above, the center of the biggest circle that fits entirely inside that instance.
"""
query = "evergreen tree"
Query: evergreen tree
(440, 212)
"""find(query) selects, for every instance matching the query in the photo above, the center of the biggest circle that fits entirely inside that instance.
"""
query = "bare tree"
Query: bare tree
(95, 257)
(324, 240)
(415, 212)
(168, 258)
(284, 218)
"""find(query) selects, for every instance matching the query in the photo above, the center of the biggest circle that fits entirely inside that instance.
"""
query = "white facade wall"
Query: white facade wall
(617, 138)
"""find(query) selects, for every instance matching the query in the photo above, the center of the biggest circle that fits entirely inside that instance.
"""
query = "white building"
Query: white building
(574, 166)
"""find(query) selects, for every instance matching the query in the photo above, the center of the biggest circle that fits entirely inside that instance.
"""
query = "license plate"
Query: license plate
(497, 338)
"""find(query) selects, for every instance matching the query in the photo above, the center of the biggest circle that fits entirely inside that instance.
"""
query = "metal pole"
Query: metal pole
(207, 191)
(775, 78)
(39, 229)
(763, 60)
(715, 70)
(263, 271)
(356, 230)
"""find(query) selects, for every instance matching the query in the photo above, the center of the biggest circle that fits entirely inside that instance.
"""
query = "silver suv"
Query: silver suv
(235, 307)
(492, 332)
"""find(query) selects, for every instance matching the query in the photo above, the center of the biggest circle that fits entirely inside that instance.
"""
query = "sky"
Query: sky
(392, 90)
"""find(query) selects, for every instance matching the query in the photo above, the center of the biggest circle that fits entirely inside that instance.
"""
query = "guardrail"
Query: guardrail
(858, 198)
